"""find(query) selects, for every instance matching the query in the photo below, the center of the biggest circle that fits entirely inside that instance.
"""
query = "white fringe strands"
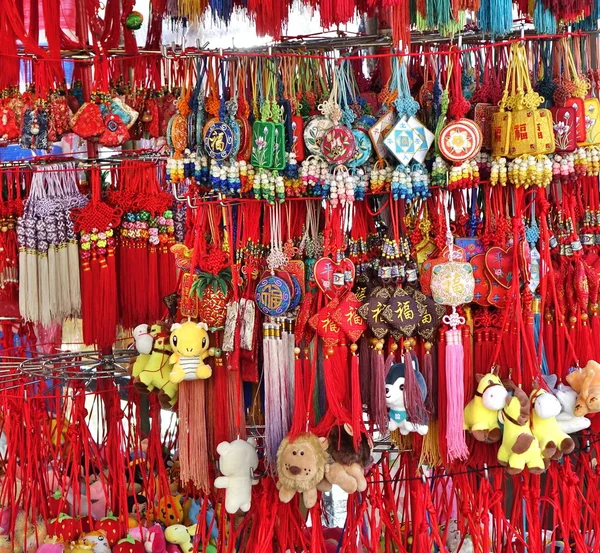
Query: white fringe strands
(48, 250)
(279, 367)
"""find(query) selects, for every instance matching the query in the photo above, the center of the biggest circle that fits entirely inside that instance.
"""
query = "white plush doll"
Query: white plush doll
(143, 339)
(567, 397)
(394, 399)
(237, 462)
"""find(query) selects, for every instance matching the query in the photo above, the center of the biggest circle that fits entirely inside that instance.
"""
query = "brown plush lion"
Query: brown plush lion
(301, 468)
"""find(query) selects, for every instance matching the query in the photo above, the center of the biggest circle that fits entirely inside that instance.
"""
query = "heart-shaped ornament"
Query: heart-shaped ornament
(334, 278)
(482, 285)
(499, 264)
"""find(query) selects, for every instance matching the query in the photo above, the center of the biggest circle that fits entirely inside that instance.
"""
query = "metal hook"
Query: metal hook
(175, 195)
(486, 474)
(192, 206)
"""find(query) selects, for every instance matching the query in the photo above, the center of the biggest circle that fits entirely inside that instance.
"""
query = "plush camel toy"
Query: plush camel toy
(481, 413)
(301, 468)
(348, 468)
(553, 441)
(155, 375)
(586, 382)
(519, 447)
(144, 337)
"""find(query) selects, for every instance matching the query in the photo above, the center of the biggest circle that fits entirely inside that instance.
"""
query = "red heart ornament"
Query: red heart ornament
(334, 278)
(482, 285)
(499, 264)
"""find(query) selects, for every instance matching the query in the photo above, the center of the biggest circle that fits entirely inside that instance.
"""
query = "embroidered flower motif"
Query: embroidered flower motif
(260, 142)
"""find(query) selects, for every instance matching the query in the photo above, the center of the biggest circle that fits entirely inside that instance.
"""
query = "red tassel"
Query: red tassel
(400, 21)
(154, 299)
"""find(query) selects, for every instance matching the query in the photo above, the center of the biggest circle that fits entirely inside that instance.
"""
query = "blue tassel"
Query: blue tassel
(543, 19)
(495, 17)
(537, 319)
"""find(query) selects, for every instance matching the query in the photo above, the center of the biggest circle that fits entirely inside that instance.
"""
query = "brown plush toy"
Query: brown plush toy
(348, 468)
(586, 382)
(301, 468)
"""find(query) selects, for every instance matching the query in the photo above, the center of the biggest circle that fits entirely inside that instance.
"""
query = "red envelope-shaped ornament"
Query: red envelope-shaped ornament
(326, 327)
(348, 319)
(499, 264)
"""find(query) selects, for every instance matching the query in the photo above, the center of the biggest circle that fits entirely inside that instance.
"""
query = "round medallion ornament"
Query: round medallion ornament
(297, 295)
(218, 139)
(273, 296)
(338, 145)
(460, 140)
(363, 149)
(314, 131)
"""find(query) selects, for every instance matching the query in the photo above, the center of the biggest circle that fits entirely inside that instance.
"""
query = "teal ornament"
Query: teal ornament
(363, 149)
(134, 21)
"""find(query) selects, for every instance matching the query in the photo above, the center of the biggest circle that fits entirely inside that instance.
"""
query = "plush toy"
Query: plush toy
(553, 441)
(454, 540)
(181, 535)
(79, 546)
(519, 446)
(155, 375)
(481, 413)
(170, 510)
(394, 399)
(568, 421)
(129, 545)
(50, 546)
(27, 534)
(237, 462)
(193, 516)
(94, 504)
(586, 382)
(98, 540)
(301, 468)
(144, 341)
(191, 346)
(153, 538)
(144, 338)
(348, 467)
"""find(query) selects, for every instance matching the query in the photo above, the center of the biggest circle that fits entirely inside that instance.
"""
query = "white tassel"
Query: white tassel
(73, 276)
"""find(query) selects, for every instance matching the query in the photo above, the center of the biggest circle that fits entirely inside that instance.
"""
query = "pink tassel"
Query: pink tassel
(413, 396)
(455, 435)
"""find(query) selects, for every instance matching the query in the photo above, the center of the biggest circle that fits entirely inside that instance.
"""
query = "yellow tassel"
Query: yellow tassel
(430, 453)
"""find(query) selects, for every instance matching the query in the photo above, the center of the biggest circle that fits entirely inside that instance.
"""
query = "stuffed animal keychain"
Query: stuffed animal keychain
(301, 468)
(554, 442)
(237, 463)
(481, 413)
(395, 399)
(348, 467)
(520, 447)
(191, 346)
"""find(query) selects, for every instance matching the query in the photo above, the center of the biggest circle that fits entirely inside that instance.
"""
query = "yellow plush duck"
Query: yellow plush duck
(520, 447)
(481, 413)
(191, 346)
(553, 441)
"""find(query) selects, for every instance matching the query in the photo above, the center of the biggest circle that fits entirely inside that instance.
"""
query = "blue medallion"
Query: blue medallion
(273, 296)
(218, 140)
